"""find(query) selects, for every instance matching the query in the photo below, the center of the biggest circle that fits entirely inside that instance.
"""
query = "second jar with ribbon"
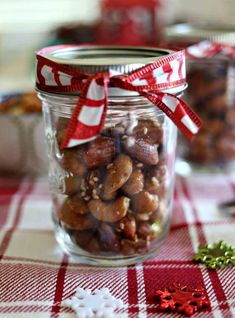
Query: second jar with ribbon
(110, 115)
(211, 93)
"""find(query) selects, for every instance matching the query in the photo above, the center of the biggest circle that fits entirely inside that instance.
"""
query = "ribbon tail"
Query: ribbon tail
(178, 111)
(89, 114)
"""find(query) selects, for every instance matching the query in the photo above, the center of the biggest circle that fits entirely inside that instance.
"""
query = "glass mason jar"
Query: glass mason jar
(112, 196)
(211, 93)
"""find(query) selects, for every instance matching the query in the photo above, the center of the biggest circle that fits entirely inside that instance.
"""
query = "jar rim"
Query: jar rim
(190, 32)
(96, 58)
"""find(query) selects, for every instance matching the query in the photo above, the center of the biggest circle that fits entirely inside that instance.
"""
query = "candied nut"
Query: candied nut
(24, 103)
(161, 191)
(93, 246)
(144, 202)
(118, 174)
(90, 185)
(143, 216)
(204, 83)
(155, 216)
(135, 183)
(152, 185)
(9, 105)
(201, 149)
(108, 196)
(77, 204)
(134, 247)
(127, 227)
(99, 152)
(142, 150)
(74, 220)
(88, 241)
(159, 172)
(148, 231)
(108, 238)
(213, 126)
(71, 184)
(217, 103)
(111, 211)
(225, 147)
(72, 162)
(149, 129)
(160, 214)
(83, 238)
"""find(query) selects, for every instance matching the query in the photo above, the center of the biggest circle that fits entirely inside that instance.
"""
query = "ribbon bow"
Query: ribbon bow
(89, 115)
(207, 49)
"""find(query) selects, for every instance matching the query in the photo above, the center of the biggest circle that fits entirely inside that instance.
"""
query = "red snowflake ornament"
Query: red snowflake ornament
(182, 299)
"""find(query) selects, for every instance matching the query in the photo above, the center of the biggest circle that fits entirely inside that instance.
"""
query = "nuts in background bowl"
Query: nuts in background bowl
(23, 149)
(25, 103)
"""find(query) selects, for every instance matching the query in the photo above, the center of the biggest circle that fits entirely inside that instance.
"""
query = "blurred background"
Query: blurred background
(26, 25)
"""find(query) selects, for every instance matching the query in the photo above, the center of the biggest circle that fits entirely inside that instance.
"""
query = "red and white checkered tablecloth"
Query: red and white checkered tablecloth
(35, 276)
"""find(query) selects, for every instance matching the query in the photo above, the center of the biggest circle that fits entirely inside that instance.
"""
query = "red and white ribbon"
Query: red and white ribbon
(89, 115)
(207, 49)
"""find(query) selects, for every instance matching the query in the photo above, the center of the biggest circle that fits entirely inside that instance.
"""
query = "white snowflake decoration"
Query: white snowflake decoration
(99, 304)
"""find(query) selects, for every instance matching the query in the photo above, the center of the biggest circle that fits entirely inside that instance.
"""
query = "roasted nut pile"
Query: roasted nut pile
(116, 189)
(212, 95)
(25, 103)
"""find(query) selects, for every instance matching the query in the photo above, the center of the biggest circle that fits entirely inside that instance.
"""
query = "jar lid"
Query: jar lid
(192, 33)
(93, 59)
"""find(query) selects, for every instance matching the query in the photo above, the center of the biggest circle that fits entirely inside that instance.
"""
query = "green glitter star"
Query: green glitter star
(216, 255)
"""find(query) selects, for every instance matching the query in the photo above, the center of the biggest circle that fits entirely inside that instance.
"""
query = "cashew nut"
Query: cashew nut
(71, 184)
(118, 173)
(72, 162)
(109, 212)
(73, 220)
(77, 205)
(135, 183)
(108, 196)
(152, 185)
(144, 202)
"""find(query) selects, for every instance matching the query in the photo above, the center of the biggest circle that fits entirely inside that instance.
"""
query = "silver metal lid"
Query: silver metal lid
(94, 59)
(192, 33)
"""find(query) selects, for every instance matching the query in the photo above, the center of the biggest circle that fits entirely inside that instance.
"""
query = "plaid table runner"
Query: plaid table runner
(35, 276)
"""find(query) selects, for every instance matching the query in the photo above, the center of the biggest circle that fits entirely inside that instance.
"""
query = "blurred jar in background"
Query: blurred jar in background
(211, 93)
(77, 33)
(133, 22)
